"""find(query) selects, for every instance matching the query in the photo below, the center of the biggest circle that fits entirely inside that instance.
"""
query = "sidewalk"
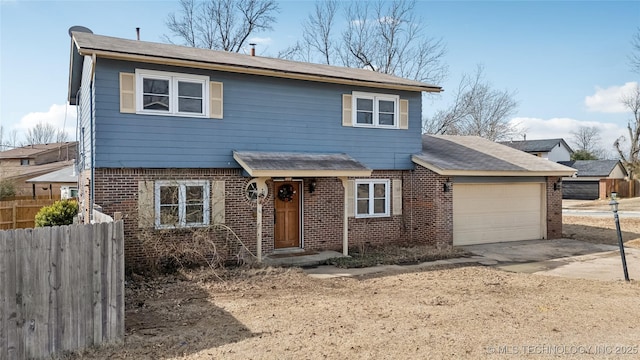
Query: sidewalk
(563, 257)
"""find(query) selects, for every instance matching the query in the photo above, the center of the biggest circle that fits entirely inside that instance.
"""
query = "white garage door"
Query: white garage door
(486, 213)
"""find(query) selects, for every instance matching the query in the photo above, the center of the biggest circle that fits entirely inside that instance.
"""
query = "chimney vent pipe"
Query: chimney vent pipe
(138, 33)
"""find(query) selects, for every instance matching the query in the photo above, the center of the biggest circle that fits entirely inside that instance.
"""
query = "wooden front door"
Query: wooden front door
(287, 214)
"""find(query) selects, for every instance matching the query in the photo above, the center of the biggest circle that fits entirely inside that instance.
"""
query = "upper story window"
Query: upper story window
(375, 110)
(165, 93)
(372, 198)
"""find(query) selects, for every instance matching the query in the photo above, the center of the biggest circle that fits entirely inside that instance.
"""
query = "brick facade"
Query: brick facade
(554, 208)
(425, 218)
(427, 210)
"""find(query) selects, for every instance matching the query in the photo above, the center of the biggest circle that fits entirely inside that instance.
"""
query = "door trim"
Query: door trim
(300, 210)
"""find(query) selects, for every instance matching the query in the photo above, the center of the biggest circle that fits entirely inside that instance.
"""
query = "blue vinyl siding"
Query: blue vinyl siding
(260, 114)
(85, 111)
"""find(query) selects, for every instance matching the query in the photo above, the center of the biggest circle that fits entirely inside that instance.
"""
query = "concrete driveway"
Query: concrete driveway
(562, 257)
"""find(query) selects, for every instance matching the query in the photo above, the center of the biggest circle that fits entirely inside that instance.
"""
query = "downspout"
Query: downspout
(91, 136)
(345, 217)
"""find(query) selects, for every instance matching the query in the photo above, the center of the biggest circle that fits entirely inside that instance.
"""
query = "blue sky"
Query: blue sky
(567, 60)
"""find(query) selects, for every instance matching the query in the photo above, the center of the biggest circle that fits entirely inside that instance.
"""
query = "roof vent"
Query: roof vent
(79, 28)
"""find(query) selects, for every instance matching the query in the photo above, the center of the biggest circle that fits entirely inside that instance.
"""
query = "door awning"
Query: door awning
(286, 164)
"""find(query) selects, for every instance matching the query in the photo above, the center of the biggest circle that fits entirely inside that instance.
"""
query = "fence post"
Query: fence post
(15, 215)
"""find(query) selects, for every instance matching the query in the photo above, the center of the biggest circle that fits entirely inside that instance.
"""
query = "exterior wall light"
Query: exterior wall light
(446, 186)
(312, 185)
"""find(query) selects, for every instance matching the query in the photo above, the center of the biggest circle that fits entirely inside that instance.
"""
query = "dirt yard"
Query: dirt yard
(469, 312)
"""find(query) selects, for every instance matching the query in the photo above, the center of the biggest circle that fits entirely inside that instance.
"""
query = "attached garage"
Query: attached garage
(497, 193)
(485, 213)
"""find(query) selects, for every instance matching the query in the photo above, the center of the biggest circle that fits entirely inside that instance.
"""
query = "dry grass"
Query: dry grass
(467, 312)
(464, 312)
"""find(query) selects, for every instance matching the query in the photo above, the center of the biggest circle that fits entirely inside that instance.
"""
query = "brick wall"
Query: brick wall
(554, 209)
(427, 211)
(426, 217)
(431, 209)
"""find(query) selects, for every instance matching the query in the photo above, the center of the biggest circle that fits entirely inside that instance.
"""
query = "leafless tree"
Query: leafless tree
(381, 36)
(220, 24)
(317, 30)
(630, 156)
(587, 140)
(44, 133)
(634, 57)
(477, 110)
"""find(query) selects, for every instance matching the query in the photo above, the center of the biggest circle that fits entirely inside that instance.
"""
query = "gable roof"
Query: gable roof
(88, 44)
(30, 151)
(542, 145)
(20, 172)
(475, 156)
(594, 168)
(64, 175)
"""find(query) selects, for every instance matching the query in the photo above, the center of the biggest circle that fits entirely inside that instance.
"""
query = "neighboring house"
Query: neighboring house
(590, 183)
(551, 149)
(289, 155)
(21, 164)
(38, 154)
(498, 193)
(64, 180)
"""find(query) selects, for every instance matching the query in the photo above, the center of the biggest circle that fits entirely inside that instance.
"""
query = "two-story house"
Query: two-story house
(289, 155)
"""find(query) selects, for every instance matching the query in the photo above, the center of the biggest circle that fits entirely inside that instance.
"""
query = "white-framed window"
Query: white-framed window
(372, 198)
(375, 110)
(181, 203)
(166, 93)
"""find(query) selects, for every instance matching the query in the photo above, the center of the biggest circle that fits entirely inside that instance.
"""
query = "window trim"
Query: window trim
(174, 79)
(376, 111)
(387, 196)
(182, 184)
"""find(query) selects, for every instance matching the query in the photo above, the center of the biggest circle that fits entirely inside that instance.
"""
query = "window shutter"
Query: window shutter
(127, 93)
(396, 194)
(351, 198)
(146, 204)
(215, 100)
(404, 114)
(217, 202)
(347, 116)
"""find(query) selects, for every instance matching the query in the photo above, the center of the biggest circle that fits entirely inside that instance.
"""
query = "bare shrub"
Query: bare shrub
(215, 246)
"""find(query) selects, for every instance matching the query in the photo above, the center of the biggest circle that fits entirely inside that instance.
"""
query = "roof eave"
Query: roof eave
(251, 70)
(518, 173)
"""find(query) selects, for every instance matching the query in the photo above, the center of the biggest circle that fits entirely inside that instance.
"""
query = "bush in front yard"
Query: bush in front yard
(61, 212)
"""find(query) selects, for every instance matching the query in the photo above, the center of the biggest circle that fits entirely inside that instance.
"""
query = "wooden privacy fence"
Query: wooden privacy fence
(61, 288)
(21, 214)
(624, 188)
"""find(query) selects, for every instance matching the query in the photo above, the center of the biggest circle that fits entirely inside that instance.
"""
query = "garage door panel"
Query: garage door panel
(496, 212)
(580, 190)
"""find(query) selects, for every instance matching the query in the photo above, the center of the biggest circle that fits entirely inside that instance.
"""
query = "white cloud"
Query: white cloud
(608, 100)
(536, 128)
(55, 116)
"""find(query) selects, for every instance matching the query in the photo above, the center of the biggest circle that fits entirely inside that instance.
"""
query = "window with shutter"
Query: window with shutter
(152, 92)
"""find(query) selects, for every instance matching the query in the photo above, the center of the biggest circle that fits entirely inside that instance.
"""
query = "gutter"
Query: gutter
(253, 71)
